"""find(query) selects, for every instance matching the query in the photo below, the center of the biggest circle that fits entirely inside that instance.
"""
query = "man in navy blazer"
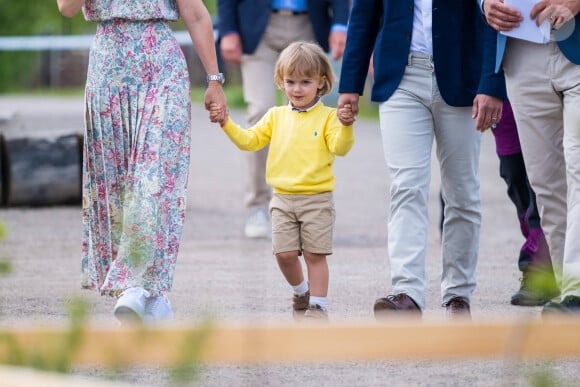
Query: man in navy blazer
(250, 19)
(434, 80)
(543, 85)
(253, 33)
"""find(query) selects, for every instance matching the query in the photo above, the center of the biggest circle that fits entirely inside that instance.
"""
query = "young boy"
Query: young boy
(304, 137)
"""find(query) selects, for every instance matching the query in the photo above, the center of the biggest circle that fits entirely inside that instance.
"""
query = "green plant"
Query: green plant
(5, 265)
(545, 378)
(40, 358)
(187, 368)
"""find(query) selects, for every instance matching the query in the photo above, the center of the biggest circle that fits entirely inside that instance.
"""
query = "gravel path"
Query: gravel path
(224, 275)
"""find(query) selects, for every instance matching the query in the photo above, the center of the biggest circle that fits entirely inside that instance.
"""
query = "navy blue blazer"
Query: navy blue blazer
(250, 17)
(463, 49)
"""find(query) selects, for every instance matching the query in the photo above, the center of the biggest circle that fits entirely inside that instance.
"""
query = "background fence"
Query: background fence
(63, 60)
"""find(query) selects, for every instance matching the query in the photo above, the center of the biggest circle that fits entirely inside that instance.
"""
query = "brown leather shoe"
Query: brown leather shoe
(396, 304)
(457, 307)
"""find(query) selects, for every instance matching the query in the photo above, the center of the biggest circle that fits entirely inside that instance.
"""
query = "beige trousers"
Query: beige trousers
(544, 90)
(260, 90)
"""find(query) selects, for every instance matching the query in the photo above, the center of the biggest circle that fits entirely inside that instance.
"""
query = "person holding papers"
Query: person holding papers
(543, 87)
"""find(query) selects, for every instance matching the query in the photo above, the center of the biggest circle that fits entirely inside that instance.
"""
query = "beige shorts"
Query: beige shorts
(302, 222)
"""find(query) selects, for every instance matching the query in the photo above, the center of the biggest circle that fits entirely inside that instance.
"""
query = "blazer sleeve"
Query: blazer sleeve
(490, 83)
(340, 11)
(363, 27)
(228, 20)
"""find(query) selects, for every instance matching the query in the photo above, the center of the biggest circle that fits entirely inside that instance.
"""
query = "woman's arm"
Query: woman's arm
(200, 28)
(69, 8)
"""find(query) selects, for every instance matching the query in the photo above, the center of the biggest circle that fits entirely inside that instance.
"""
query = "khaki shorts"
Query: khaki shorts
(302, 222)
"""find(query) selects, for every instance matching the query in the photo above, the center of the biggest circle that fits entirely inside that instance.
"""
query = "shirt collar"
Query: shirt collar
(304, 110)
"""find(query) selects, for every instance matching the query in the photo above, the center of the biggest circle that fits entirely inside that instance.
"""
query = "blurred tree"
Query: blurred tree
(19, 69)
(25, 18)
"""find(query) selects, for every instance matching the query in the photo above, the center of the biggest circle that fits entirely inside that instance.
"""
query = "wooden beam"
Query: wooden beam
(237, 343)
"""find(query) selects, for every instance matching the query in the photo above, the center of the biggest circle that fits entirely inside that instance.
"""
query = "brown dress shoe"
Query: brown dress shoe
(396, 303)
(457, 307)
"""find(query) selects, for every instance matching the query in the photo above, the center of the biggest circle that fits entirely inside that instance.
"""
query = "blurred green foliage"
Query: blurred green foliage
(5, 264)
(18, 69)
(30, 18)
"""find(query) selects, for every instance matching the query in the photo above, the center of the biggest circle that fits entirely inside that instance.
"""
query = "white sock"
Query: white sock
(301, 288)
(321, 301)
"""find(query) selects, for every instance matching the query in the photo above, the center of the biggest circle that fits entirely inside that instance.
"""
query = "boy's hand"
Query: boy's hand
(345, 115)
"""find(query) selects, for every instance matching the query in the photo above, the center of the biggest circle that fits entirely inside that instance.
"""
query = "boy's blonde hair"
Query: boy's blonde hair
(306, 59)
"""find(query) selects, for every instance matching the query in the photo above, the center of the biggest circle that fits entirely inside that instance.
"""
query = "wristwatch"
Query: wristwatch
(216, 77)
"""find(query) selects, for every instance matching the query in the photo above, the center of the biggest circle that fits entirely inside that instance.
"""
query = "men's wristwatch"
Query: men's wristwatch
(216, 77)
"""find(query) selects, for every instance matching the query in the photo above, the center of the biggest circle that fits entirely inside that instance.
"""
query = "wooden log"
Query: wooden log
(43, 170)
(254, 343)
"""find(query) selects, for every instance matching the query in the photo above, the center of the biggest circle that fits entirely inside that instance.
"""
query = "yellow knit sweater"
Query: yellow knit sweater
(302, 146)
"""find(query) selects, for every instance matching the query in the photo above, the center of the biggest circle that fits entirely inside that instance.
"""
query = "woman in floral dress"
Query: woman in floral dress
(136, 148)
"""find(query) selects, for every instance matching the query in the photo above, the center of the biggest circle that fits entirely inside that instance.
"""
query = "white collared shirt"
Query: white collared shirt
(422, 38)
(307, 109)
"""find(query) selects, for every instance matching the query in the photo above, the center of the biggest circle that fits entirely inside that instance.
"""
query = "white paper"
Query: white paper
(528, 30)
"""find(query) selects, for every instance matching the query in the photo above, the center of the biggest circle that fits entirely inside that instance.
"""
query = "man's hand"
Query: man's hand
(486, 110)
(558, 12)
(501, 17)
(231, 48)
(336, 42)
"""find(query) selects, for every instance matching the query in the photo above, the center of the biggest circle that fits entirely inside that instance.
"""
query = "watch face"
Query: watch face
(216, 77)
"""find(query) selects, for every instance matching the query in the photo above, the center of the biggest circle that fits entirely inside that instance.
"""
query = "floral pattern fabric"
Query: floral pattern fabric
(101, 10)
(136, 157)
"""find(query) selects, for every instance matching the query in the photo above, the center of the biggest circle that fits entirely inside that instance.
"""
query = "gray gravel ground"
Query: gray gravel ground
(224, 275)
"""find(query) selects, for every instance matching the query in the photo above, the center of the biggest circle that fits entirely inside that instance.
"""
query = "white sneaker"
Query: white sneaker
(130, 306)
(258, 223)
(158, 309)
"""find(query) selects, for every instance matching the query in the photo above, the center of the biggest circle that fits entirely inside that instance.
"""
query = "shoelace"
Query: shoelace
(457, 305)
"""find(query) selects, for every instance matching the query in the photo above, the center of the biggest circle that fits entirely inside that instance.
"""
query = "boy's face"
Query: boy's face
(302, 90)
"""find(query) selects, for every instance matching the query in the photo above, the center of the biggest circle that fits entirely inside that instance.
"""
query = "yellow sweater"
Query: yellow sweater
(302, 146)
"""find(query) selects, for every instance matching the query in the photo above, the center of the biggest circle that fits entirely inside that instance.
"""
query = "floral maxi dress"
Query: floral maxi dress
(136, 147)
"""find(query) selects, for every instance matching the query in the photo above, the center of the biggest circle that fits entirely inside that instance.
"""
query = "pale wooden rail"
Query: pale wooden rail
(251, 343)
(24, 377)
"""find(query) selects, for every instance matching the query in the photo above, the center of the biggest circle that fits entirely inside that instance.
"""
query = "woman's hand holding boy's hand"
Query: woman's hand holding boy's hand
(218, 113)
(345, 115)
